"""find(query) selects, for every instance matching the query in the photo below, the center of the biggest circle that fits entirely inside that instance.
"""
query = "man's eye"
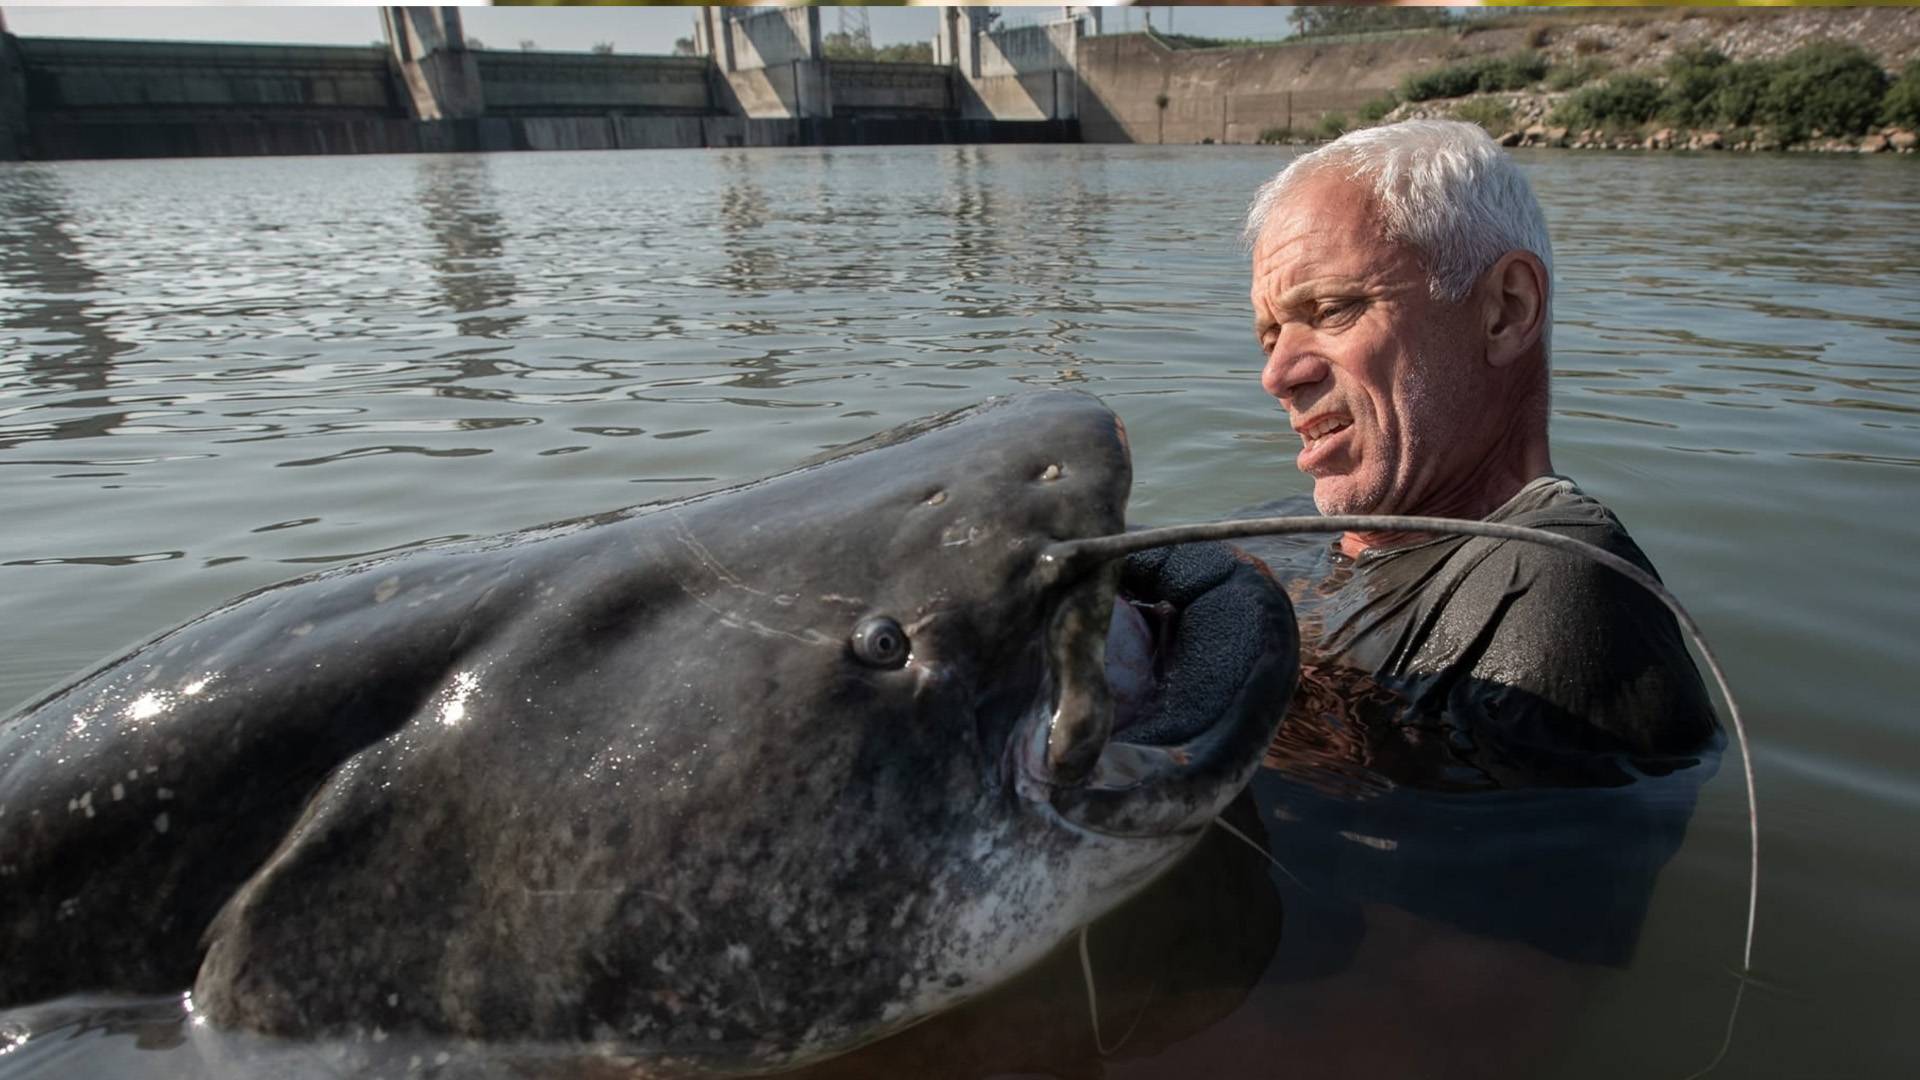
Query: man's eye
(1335, 310)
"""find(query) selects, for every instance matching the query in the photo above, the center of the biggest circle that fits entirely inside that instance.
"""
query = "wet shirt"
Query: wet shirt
(1493, 734)
(1468, 663)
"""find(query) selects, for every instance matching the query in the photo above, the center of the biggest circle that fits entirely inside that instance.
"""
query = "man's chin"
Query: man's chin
(1334, 496)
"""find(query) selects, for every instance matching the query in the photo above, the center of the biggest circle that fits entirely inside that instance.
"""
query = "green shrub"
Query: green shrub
(1332, 126)
(1490, 113)
(1276, 135)
(1454, 80)
(1902, 103)
(1513, 71)
(1737, 99)
(1828, 85)
(1578, 73)
(1622, 101)
(1376, 110)
(1693, 75)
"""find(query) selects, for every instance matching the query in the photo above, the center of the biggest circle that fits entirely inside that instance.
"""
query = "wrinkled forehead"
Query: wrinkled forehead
(1327, 228)
(1324, 208)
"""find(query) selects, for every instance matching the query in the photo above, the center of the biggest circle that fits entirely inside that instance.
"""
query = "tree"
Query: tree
(841, 45)
(603, 48)
(527, 45)
(908, 52)
(684, 47)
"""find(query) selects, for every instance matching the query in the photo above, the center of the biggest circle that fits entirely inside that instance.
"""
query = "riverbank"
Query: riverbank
(1822, 80)
(1827, 81)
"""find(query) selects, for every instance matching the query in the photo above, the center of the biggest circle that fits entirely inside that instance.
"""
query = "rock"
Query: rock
(1873, 144)
(1556, 136)
(1661, 140)
(1708, 140)
(1536, 132)
(1903, 141)
(1511, 138)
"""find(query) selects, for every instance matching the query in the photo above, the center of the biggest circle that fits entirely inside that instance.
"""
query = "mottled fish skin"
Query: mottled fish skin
(619, 783)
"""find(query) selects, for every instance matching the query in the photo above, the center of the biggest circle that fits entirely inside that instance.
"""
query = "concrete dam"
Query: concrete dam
(760, 77)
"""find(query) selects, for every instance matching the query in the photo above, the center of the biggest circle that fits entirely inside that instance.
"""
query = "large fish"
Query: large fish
(725, 784)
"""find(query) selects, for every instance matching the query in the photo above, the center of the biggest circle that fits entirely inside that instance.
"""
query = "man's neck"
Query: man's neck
(1520, 457)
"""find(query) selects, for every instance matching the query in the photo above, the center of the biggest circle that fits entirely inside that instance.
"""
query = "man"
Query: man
(1402, 295)
(1402, 286)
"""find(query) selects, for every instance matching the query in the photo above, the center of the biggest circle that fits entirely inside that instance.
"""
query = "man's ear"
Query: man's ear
(1513, 306)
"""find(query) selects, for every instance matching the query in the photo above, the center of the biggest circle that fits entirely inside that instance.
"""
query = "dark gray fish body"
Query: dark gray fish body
(629, 784)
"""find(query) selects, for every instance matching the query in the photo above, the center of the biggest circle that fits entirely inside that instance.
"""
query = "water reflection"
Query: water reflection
(753, 262)
(462, 214)
(61, 341)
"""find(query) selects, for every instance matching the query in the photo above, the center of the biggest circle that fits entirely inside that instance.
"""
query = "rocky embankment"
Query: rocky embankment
(1647, 43)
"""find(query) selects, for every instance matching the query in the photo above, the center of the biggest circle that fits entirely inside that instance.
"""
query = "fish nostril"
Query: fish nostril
(934, 499)
(1051, 472)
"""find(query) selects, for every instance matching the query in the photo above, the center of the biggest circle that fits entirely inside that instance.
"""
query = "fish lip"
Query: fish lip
(1178, 785)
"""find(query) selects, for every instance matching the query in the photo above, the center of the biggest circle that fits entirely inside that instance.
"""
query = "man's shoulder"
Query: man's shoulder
(1557, 504)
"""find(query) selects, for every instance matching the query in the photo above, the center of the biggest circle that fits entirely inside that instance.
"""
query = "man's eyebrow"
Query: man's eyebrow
(1307, 290)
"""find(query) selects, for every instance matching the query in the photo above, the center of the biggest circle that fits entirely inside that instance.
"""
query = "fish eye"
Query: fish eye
(878, 641)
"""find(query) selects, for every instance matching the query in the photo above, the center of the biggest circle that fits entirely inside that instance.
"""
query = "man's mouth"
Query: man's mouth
(1320, 439)
(1321, 427)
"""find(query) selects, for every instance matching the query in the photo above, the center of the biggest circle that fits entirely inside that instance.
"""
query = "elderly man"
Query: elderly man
(1402, 286)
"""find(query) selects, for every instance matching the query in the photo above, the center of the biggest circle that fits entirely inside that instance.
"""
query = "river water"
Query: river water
(215, 374)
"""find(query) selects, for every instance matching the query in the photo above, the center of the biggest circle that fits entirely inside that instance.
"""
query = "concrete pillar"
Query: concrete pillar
(428, 46)
(1089, 16)
(974, 21)
(713, 37)
(13, 98)
(771, 61)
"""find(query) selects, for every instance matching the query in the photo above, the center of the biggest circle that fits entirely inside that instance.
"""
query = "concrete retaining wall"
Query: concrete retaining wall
(563, 84)
(228, 138)
(865, 87)
(87, 80)
(1232, 95)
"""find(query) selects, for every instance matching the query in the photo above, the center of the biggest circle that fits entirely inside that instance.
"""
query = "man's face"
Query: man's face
(1379, 379)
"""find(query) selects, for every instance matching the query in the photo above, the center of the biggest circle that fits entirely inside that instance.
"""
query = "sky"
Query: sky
(630, 29)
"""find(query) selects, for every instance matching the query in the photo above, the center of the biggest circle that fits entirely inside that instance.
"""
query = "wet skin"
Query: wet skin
(724, 784)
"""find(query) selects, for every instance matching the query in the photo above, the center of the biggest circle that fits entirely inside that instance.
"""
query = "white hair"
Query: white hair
(1443, 188)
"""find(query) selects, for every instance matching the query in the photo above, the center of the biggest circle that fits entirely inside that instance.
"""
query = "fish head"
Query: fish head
(978, 750)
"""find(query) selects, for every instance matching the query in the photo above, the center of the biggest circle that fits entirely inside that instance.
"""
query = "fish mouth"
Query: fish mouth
(1167, 676)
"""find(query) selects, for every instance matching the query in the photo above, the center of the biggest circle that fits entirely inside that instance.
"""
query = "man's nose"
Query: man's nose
(1290, 367)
